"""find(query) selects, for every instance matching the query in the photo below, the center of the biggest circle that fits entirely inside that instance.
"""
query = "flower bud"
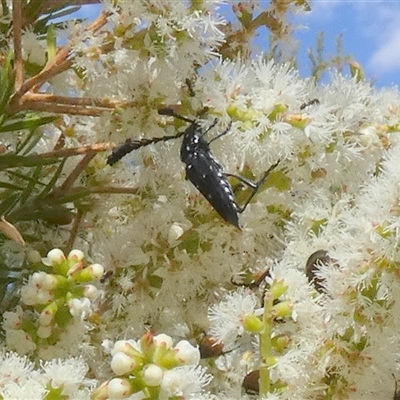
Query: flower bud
(101, 392)
(34, 257)
(163, 340)
(49, 282)
(75, 268)
(47, 315)
(283, 309)
(55, 257)
(129, 347)
(90, 273)
(97, 271)
(122, 364)
(186, 353)
(76, 255)
(119, 388)
(174, 233)
(44, 331)
(278, 288)
(356, 71)
(44, 297)
(91, 292)
(253, 324)
(153, 375)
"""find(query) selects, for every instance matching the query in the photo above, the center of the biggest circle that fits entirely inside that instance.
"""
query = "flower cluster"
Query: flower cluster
(246, 330)
(54, 379)
(53, 301)
(152, 368)
(323, 230)
(334, 191)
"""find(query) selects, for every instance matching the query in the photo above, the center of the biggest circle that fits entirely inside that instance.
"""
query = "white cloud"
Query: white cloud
(381, 27)
(370, 29)
(323, 11)
(387, 56)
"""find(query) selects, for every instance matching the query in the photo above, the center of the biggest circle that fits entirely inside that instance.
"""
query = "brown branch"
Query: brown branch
(63, 109)
(78, 151)
(60, 63)
(73, 176)
(114, 190)
(74, 231)
(55, 66)
(69, 105)
(78, 218)
(99, 22)
(17, 32)
(81, 101)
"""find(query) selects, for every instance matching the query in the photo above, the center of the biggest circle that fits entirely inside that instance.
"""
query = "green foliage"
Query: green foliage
(6, 84)
(320, 63)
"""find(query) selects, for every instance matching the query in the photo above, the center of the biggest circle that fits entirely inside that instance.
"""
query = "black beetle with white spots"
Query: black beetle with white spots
(201, 167)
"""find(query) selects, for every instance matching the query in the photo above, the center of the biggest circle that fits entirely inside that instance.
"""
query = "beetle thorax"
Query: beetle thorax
(193, 142)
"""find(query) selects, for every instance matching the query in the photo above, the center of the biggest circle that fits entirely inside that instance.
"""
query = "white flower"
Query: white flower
(14, 367)
(34, 49)
(68, 374)
(183, 381)
(80, 307)
(30, 389)
(336, 189)
(226, 318)
(54, 257)
(19, 341)
(13, 320)
(186, 353)
(35, 291)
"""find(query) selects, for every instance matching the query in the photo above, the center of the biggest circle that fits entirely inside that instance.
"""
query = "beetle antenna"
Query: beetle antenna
(129, 145)
(171, 113)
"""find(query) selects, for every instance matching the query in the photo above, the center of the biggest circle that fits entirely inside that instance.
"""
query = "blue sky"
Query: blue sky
(371, 34)
(370, 30)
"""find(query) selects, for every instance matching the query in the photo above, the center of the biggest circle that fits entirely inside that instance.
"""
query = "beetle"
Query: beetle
(313, 265)
(202, 169)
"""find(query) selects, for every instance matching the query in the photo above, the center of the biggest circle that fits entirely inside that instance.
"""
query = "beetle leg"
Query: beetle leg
(253, 185)
(244, 180)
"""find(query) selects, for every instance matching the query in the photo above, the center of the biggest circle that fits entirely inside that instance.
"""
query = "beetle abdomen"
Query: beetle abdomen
(208, 177)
